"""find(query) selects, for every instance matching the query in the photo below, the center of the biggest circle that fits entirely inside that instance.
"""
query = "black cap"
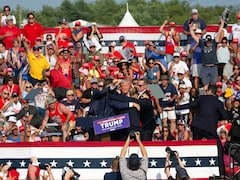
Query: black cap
(208, 37)
(14, 94)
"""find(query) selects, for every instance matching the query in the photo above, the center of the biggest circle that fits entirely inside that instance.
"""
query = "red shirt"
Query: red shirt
(62, 41)
(170, 44)
(58, 117)
(130, 45)
(32, 31)
(14, 88)
(57, 79)
(9, 40)
(65, 67)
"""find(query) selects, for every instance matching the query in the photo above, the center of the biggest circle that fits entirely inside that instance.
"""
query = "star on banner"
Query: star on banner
(103, 163)
(70, 163)
(184, 162)
(9, 163)
(153, 163)
(198, 162)
(103, 43)
(212, 162)
(22, 163)
(53, 163)
(87, 163)
(135, 43)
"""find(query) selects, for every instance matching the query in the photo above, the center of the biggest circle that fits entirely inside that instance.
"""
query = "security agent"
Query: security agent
(181, 173)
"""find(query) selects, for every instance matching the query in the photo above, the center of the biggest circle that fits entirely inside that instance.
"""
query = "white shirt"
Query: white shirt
(4, 19)
(236, 31)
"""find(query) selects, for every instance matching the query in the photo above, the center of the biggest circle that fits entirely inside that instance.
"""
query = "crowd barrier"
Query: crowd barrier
(92, 159)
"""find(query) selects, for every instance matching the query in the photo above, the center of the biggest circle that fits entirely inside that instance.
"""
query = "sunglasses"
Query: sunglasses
(151, 62)
(28, 87)
(49, 38)
(6, 93)
(94, 83)
(134, 62)
(71, 95)
(31, 18)
(165, 130)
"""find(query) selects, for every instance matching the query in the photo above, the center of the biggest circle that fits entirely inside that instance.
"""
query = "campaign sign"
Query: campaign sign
(112, 123)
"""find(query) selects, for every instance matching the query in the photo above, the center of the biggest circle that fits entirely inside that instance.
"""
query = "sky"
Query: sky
(36, 5)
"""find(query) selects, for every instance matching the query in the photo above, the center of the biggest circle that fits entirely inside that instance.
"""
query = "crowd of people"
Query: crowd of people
(49, 85)
(52, 80)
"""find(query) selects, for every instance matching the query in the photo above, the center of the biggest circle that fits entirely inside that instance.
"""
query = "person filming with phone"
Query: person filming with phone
(134, 167)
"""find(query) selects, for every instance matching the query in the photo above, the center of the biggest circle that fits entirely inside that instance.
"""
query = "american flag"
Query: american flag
(92, 159)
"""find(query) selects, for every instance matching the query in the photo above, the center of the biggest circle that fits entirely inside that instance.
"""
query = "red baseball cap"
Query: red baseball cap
(172, 24)
(238, 16)
(70, 44)
(77, 23)
(235, 40)
(21, 49)
(184, 54)
(38, 39)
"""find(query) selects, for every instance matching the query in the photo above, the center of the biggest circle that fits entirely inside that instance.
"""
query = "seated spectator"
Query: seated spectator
(13, 106)
(182, 131)
(136, 68)
(13, 88)
(166, 134)
(72, 104)
(5, 96)
(63, 34)
(32, 117)
(7, 12)
(14, 135)
(79, 134)
(157, 135)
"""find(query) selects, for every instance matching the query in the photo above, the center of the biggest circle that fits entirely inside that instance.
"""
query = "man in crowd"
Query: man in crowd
(32, 30)
(197, 23)
(208, 47)
(7, 12)
(9, 32)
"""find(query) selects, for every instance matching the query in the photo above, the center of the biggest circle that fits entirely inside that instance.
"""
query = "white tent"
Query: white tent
(128, 20)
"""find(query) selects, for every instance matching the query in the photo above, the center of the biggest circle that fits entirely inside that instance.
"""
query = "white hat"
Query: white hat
(194, 11)
(176, 54)
(181, 71)
(198, 31)
(12, 119)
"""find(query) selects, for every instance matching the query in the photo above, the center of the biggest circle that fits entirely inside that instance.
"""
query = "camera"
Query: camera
(171, 152)
(225, 15)
(132, 135)
(190, 21)
(67, 168)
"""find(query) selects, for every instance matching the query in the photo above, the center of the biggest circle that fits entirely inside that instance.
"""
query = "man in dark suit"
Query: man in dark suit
(204, 125)
(146, 114)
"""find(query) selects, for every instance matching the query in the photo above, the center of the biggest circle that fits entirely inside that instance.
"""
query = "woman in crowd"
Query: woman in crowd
(153, 72)
(125, 72)
(166, 134)
(182, 132)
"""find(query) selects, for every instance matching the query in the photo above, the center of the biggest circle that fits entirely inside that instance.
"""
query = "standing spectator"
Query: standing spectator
(223, 57)
(236, 28)
(9, 32)
(51, 55)
(169, 99)
(197, 24)
(126, 47)
(11, 86)
(175, 66)
(37, 63)
(196, 63)
(6, 10)
(153, 72)
(115, 174)
(94, 33)
(182, 132)
(113, 53)
(13, 106)
(63, 34)
(209, 56)
(172, 39)
(93, 52)
(77, 38)
(64, 64)
(32, 30)
(134, 168)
